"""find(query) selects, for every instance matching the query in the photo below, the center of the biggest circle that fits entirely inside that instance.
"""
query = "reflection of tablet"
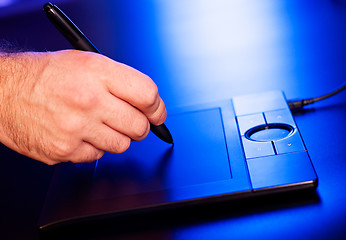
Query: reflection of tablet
(228, 149)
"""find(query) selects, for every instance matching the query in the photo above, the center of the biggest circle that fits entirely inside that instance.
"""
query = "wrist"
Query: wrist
(18, 73)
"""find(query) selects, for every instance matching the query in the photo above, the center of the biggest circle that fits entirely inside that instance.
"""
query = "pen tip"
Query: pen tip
(162, 132)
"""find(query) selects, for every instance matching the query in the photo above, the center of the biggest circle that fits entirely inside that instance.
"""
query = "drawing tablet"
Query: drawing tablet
(230, 149)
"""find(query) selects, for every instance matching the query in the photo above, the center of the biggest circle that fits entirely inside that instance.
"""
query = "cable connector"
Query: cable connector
(300, 103)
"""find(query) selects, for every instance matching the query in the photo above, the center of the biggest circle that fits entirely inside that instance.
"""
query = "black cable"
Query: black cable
(300, 103)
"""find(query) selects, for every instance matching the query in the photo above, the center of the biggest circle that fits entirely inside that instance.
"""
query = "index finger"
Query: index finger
(135, 88)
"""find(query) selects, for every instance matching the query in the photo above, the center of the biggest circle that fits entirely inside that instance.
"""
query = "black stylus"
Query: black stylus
(80, 42)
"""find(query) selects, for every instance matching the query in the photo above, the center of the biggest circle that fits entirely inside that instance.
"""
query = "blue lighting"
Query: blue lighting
(5, 3)
(241, 42)
(12, 7)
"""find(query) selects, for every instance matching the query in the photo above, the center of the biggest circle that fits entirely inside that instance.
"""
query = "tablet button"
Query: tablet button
(257, 149)
(249, 121)
(281, 170)
(280, 116)
(269, 132)
(291, 144)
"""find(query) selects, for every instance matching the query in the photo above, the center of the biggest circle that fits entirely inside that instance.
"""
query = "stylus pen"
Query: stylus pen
(80, 42)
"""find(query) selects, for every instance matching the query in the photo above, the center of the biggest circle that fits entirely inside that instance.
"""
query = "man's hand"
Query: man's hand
(73, 106)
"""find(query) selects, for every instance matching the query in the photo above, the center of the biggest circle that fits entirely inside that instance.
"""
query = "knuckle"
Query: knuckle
(62, 151)
(88, 156)
(83, 97)
(158, 117)
(122, 144)
(50, 163)
(141, 127)
(151, 93)
(99, 155)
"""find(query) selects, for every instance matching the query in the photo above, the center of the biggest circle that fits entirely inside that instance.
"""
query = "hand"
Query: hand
(73, 106)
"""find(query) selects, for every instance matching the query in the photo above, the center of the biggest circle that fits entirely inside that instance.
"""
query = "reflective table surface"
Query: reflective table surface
(199, 51)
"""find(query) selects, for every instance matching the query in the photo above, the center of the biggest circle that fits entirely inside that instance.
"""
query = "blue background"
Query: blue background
(199, 51)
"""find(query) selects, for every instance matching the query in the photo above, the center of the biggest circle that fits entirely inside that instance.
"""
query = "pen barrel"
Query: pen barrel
(68, 29)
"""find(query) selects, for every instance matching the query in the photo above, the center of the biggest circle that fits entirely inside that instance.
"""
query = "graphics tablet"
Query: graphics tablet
(237, 148)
